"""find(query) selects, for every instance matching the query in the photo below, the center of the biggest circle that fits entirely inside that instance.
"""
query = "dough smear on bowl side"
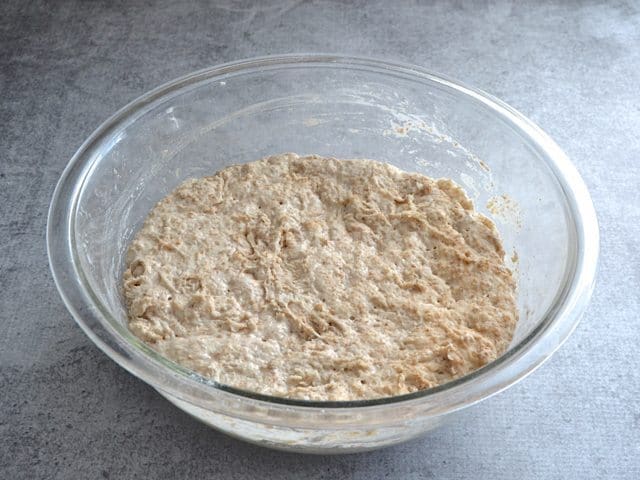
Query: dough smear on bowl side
(322, 279)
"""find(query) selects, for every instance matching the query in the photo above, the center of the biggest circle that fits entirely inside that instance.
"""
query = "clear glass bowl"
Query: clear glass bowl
(347, 108)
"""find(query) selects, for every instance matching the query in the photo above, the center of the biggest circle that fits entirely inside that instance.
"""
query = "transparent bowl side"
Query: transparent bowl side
(345, 108)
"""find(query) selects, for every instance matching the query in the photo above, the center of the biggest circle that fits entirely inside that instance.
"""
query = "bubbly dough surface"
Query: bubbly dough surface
(324, 279)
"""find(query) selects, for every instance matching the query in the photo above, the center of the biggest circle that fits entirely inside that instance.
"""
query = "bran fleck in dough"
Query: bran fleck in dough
(323, 279)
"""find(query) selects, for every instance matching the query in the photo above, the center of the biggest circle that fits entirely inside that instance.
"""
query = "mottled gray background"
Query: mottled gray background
(67, 411)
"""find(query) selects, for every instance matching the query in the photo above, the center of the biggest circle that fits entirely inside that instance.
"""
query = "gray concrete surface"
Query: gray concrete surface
(67, 411)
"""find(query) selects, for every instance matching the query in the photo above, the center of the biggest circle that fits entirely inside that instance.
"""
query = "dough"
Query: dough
(324, 279)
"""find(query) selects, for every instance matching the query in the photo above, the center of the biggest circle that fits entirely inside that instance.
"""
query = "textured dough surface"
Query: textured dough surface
(323, 279)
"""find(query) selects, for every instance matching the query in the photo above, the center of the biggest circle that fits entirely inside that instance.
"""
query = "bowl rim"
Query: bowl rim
(555, 327)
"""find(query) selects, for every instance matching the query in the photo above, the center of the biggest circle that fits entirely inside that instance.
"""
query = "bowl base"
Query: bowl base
(320, 441)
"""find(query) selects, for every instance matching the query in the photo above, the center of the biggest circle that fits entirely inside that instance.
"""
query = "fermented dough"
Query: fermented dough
(324, 279)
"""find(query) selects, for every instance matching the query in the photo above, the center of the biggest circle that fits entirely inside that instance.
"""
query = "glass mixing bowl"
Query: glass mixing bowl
(347, 108)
